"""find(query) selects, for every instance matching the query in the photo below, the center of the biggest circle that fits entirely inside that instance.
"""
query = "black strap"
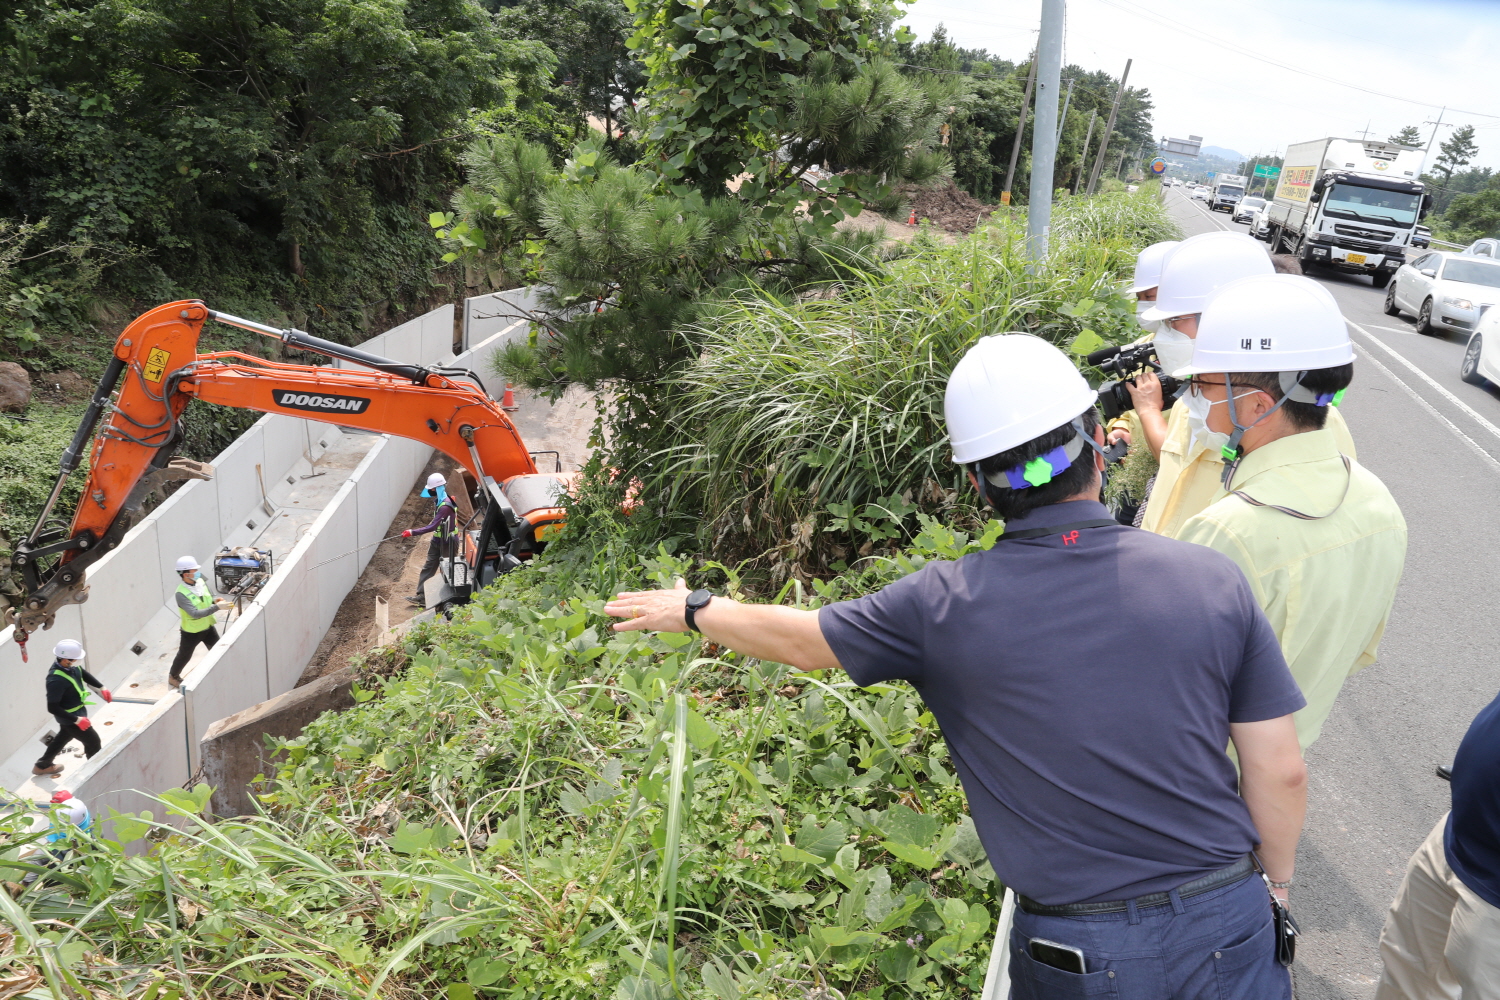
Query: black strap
(1297, 513)
(1060, 529)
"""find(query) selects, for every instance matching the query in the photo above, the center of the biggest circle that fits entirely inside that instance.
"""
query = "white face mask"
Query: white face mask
(1174, 350)
(1198, 408)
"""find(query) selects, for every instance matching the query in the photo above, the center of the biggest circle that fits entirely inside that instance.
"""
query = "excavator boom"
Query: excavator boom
(156, 370)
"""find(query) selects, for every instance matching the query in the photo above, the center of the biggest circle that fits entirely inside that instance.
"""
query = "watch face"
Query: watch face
(699, 598)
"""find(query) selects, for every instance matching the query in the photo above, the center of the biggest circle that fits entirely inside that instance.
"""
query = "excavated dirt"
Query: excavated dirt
(948, 207)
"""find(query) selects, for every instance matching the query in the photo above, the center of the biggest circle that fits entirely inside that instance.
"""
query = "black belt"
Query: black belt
(1241, 868)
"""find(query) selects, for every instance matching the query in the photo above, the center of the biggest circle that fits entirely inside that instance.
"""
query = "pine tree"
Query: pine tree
(1457, 151)
(1410, 135)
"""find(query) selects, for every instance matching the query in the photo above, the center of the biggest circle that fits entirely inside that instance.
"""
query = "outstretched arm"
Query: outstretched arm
(766, 632)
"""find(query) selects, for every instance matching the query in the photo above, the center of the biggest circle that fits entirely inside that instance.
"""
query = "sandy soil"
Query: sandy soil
(393, 570)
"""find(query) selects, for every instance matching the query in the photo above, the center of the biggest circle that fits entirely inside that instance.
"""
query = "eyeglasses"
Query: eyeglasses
(1172, 321)
(1196, 387)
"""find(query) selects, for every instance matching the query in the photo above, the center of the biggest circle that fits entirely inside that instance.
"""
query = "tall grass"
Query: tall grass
(813, 432)
(541, 809)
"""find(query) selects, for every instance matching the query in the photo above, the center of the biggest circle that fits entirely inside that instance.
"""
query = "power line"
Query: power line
(1126, 6)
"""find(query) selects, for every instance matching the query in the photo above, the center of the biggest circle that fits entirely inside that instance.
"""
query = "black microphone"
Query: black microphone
(1103, 354)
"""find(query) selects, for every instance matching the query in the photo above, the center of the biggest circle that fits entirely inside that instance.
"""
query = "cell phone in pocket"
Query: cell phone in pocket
(1059, 956)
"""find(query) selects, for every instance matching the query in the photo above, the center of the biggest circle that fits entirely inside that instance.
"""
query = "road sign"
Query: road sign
(1158, 166)
(1266, 170)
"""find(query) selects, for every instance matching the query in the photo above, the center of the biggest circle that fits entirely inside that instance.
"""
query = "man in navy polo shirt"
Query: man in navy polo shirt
(1092, 748)
(1442, 937)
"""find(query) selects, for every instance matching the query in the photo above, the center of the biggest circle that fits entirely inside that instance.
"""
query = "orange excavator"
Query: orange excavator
(156, 370)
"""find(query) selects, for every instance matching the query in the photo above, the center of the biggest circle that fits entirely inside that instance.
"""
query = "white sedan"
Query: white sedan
(1447, 291)
(1481, 362)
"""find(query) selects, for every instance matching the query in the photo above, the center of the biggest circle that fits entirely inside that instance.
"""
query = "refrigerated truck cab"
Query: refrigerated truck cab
(1348, 204)
(1228, 190)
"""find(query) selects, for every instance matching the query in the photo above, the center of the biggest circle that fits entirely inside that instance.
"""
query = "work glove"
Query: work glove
(406, 533)
(104, 692)
(83, 723)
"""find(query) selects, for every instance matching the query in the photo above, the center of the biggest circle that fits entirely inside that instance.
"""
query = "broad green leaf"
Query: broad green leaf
(822, 841)
(795, 856)
(1087, 342)
(904, 825)
(460, 991)
(839, 937)
(898, 964)
(912, 855)
(701, 733)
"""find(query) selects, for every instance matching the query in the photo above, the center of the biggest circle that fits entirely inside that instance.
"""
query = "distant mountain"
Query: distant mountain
(1220, 151)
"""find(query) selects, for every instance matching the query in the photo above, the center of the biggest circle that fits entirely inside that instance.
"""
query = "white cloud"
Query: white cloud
(1422, 55)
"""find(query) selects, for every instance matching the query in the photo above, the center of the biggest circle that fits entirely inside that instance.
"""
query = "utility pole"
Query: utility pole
(1435, 126)
(1109, 128)
(1044, 134)
(1083, 157)
(1015, 147)
(1062, 120)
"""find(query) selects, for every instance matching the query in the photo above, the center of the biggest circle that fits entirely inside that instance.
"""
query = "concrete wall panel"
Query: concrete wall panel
(485, 315)
(189, 523)
(290, 606)
(437, 335)
(236, 483)
(152, 758)
(286, 441)
(335, 567)
(126, 588)
(232, 676)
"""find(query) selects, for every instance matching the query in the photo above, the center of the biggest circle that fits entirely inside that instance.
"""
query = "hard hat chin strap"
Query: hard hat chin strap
(1292, 390)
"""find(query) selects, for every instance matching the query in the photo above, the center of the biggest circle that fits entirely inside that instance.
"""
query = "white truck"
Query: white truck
(1228, 190)
(1349, 204)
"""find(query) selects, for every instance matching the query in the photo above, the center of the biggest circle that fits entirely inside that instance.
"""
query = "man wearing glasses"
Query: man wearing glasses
(1190, 473)
(1318, 536)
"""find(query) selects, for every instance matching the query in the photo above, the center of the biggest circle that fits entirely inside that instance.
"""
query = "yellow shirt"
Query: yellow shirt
(1326, 585)
(1189, 477)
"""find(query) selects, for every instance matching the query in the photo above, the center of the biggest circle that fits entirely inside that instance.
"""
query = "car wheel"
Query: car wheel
(1381, 280)
(1391, 309)
(1469, 371)
(1304, 254)
(1424, 318)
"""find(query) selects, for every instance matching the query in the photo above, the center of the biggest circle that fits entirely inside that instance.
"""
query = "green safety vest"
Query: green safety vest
(200, 601)
(83, 695)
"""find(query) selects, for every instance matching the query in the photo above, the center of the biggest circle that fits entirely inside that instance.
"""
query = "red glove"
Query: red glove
(83, 723)
(107, 696)
(406, 533)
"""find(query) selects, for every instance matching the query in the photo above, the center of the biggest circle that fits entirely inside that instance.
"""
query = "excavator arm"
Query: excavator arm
(156, 370)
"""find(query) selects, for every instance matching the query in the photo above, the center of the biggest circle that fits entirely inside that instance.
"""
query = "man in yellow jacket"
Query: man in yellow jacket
(1318, 536)
(1189, 477)
(196, 607)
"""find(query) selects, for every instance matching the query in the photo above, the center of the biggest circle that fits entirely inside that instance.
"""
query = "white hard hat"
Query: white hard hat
(1270, 323)
(68, 649)
(185, 563)
(1008, 390)
(1148, 265)
(1198, 268)
(435, 480)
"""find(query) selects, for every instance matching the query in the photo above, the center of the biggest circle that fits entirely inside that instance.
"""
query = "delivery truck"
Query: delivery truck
(1228, 190)
(1348, 204)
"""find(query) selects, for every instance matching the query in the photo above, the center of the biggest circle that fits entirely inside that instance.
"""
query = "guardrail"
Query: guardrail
(1448, 246)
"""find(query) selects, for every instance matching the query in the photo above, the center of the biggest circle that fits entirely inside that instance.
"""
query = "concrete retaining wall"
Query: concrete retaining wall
(487, 315)
(264, 651)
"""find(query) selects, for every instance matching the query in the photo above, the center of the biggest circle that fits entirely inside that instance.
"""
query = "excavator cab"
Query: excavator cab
(512, 523)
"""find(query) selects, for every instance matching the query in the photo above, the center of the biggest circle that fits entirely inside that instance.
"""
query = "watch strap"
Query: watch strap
(696, 601)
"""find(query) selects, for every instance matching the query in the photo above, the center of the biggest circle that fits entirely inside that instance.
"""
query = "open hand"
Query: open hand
(651, 610)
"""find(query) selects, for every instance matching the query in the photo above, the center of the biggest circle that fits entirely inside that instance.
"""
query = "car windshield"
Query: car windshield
(1227, 189)
(1252, 202)
(1362, 204)
(1473, 272)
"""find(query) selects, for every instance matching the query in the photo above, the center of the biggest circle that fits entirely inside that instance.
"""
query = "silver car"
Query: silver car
(1483, 248)
(1447, 291)
(1246, 208)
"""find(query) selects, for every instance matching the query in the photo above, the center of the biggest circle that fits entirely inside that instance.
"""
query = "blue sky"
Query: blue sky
(1204, 62)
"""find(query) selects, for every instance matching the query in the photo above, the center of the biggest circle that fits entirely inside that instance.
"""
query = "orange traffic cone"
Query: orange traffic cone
(508, 401)
(913, 220)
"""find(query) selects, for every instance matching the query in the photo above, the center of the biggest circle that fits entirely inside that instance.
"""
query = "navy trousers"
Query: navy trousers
(1219, 945)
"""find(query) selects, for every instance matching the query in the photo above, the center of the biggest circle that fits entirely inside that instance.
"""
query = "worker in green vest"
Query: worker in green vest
(196, 607)
(68, 700)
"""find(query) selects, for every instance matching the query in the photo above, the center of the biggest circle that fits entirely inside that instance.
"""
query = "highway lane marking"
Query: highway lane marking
(1212, 217)
(1392, 329)
(1478, 418)
(1478, 450)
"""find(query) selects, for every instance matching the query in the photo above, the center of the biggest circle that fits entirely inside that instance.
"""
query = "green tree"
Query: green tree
(1457, 151)
(1473, 216)
(1410, 135)
(268, 153)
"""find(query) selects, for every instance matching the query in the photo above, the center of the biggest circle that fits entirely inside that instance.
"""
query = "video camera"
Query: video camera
(1125, 363)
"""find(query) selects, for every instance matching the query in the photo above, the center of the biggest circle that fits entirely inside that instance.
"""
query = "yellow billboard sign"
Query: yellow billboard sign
(1296, 184)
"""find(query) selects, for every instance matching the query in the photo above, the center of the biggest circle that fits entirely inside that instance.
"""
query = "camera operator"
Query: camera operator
(1135, 424)
(1319, 537)
(1189, 477)
(1095, 769)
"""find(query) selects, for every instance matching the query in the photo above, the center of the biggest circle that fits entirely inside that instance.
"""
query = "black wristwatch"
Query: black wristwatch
(696, 601)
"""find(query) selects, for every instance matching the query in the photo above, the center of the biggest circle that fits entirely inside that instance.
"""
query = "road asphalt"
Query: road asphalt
(1373, 797)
